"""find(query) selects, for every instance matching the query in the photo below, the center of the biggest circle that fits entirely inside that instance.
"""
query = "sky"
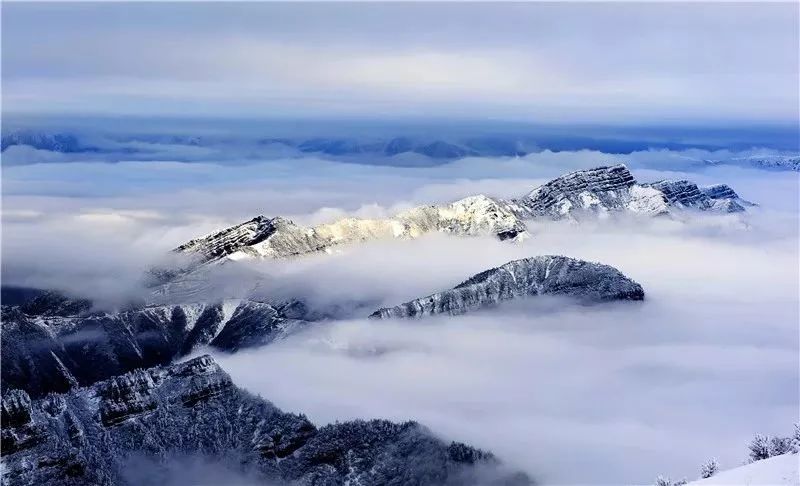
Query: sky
(599, 62)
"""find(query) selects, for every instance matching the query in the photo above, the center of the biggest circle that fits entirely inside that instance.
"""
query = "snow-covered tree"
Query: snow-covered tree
(779, 446)
(796, 439)
(662, 481)
(709, 469)
(759, 448)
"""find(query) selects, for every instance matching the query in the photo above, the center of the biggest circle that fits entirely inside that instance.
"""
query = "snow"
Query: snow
(776, 471)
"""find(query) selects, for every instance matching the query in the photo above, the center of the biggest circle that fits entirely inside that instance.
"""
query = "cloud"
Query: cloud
(607, 394)
(74, 225)
(537, 62)
(604, 394)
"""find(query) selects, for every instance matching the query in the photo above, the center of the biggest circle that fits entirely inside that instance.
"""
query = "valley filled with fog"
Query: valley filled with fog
(568, 393)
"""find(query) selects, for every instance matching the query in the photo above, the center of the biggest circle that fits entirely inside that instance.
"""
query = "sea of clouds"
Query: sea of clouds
(604, 394)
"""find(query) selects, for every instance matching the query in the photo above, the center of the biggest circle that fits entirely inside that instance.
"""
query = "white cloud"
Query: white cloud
(604, 62)
(611, 394)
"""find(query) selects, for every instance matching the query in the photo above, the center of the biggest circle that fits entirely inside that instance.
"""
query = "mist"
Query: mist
(604, 394)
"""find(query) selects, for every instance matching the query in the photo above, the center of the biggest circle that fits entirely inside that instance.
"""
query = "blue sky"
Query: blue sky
(600, 62)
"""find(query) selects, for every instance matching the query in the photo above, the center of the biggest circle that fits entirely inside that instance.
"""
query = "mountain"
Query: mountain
(775, 162)
(541, 275)
(279, 237)
(131, 429)
(686, 194)
(783, 162)
(613, 190)
(64, 345)
(55, 142)
(444, 150)
(599, 192)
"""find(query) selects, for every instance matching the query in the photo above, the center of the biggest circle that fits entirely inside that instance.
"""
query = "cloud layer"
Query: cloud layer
(572, 394)
(600, 62)
(607, 394)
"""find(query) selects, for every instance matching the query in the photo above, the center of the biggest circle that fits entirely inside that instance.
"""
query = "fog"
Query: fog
(604, 394)
(572, 394)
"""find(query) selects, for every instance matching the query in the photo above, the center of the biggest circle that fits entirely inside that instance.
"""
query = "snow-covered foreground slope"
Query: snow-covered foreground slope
(776, 471)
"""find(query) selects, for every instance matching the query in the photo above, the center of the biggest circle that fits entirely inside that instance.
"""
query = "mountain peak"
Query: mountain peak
(540, 275)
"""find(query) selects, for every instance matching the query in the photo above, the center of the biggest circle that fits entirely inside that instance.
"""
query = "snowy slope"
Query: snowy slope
(776, 471)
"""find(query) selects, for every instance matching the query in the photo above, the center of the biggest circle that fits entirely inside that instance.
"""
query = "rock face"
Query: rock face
(280, 238)
(608, 190)
(541, 275)
(45, 352)
(128, 429)
(598, 192)
(687, 195)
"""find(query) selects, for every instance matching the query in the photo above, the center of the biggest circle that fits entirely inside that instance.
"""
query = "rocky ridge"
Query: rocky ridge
(542, 275)
(155, 416)
(43, 352)
(279, 238)
(599, 192)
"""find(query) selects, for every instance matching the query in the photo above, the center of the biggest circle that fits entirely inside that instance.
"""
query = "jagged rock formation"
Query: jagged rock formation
(541, 275)
(44, 352)
(277, 237)
(608, 190)
(686, 194)
(596, 191)
(92, 436)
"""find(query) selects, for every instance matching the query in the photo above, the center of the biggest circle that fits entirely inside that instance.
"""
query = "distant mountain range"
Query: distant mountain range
(595, 193)
(399, 150)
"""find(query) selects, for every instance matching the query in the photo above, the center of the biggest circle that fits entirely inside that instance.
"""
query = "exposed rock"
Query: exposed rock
(602, 191)
(55, 304)
(609, 190)
(47, 353)
(192, 409)
(596, 191)
(686, 194)
(552, 275)
(723, 193)
(279, 238)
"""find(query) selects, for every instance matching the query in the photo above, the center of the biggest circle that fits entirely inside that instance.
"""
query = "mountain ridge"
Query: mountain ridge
(587, 282)
(599, 192)
(193, 409)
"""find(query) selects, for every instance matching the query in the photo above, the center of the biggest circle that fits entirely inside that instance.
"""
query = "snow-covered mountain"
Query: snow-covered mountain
(58, 346)
(51, 343)
(278, 237)
(687, 195)
(599, 192)
(613, 190)
(55, 142)
(541, 275)
(776, 162)
(129, 429)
